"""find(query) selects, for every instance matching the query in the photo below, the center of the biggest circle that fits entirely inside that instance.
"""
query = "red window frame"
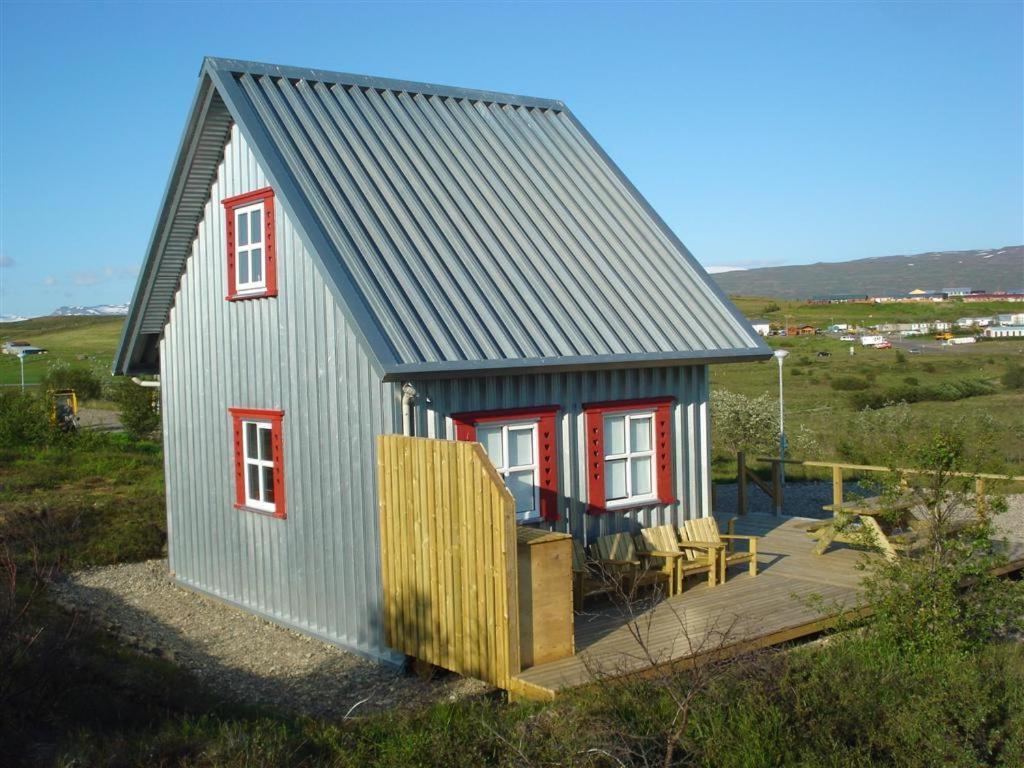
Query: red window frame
(594, 414)
(238, 415)
(547, 446)
(266, 195)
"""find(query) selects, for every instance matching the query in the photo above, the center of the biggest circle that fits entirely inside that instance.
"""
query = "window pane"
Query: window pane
(642, 480)
(615, 479)
(257, 265)
(252, 486)
(520, 447)
(614, 435)
(243, 268)
(490, 438)
(640, 434)
(256, 226)
(242, 229)
(250, 440)
(266, 452)
(268, 485)
(521, 485)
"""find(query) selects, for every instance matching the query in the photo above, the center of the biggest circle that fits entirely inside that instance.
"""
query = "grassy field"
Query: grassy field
(89, 341)
(823, 315)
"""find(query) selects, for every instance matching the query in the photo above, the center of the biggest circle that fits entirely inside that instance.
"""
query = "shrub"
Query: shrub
(945, 391)
(911, 381)
(743, 423)
(24, 419)
(138, 406)
(928, 367)
(848, 383)
(795, 372)
(770, 307)
(1013, 377)
(84, 382)
(901, 358)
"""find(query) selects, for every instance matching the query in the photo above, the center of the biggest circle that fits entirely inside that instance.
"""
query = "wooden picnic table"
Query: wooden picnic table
(891, 523)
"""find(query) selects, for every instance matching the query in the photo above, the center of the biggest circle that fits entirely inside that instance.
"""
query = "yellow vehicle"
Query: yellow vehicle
(943, 336)
(64, 411)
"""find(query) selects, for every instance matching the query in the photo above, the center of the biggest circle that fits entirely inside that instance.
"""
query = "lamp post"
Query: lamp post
(780, 355)
(21, 359)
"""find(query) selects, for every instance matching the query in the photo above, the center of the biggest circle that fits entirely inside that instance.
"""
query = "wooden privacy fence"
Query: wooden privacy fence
(448, 557)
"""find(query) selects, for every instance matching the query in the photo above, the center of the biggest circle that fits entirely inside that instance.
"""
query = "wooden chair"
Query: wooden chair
(586, 579)
(617, 553)
(706, 529)
(660, 544)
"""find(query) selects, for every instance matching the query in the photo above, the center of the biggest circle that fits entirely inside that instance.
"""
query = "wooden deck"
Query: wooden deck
(796, 593)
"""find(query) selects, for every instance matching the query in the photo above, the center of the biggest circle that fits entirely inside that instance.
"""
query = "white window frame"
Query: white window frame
(631, 500)
(245, 251)
(505, 470)
(257, 502)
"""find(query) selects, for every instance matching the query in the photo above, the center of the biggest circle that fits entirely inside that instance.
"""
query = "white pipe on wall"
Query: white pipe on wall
(142, 383)
(408, 394)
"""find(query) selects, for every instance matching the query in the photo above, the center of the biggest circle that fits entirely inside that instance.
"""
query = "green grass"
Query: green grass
(94, 339)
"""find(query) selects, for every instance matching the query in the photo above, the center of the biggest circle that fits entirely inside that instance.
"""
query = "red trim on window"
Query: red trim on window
(594, 414)
(238, 415)
(269, 241)
(547, 446)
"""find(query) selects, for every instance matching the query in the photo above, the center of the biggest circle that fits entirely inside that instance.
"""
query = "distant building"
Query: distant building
(14, 347)
(972, 322)
(940, 326)
(800, 330)
(1007, 296)
(1015, 318)
(1004, 332)
(762, 326)
(839, 298)
(959, 291)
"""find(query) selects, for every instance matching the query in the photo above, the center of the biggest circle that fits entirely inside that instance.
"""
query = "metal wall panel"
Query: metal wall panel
(318, 570)
(437, 400)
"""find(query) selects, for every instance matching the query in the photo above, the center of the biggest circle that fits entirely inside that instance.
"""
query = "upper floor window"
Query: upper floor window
(252, 258)
(629, 454)
(259, 461)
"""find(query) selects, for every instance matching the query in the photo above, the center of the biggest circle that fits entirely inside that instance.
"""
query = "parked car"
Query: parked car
(884, 345)
(847, 337)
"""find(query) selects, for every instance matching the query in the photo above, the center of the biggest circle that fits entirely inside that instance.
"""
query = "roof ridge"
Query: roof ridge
(241, 66)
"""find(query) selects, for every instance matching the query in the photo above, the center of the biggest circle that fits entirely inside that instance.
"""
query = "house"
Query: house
(1013, 318)
(340, 257)
(800, 330)
(1004, 332)
(941, 326)
(14, 347)
(974, 322)
(839, 298)
(838, 327)
(952, 292)
(761, 327)
(1013, 296)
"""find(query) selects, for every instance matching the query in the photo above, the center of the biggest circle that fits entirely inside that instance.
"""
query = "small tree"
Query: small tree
(83, 381)
(1013, 378)
(24, 419)
(742, 423)
(138, 406)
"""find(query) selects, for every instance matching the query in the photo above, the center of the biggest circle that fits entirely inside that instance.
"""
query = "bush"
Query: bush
(848, 383)
(947, 391)
(743, 423)
(795, 372)
(84, 382)
(911, 381)
(1013, 378)
(901, 358)
(928, 367)
(138, 406)
(770, 307)
(24, 419)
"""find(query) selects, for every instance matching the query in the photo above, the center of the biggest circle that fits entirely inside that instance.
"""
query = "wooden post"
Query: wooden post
(979, 496)
(777, 486)
(714, 496)
(741, 483)
(837, 485)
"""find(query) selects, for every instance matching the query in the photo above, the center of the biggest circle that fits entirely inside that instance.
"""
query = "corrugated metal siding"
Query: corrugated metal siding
(437, 400)
(319, 569)
(481, 231)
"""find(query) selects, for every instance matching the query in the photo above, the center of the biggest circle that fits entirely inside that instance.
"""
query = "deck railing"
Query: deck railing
(448, 557)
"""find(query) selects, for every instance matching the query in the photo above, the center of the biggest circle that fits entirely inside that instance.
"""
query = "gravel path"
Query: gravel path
(246, 657)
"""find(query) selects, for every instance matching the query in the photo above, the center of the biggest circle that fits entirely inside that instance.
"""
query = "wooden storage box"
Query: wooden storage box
(545, 596)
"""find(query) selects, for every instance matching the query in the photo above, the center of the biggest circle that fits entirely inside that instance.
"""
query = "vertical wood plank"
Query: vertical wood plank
(837, 485)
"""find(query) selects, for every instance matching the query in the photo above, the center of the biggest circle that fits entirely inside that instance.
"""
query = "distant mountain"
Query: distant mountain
(990, 270)
(11, 318)
(719, 270)
(100, 310)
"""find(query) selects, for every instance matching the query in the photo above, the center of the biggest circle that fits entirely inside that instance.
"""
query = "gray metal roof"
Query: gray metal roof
(463, 230)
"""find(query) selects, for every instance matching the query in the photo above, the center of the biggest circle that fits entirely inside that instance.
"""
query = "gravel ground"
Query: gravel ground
(807, 500)
(246, 657)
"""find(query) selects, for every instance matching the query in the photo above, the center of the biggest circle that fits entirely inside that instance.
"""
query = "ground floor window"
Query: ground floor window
(259, 464)
(521, 444)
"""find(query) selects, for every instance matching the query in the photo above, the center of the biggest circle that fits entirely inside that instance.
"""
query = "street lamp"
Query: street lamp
(21, 359)
(780, 355)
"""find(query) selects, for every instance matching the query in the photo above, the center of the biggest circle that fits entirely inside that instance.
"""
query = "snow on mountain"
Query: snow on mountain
(100, 310)
(720, 270)
(11, 318)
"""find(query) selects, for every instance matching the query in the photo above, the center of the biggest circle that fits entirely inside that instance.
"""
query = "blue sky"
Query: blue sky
(763, 133)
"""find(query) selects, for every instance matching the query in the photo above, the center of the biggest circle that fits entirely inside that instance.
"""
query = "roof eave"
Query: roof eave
(476, 368)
